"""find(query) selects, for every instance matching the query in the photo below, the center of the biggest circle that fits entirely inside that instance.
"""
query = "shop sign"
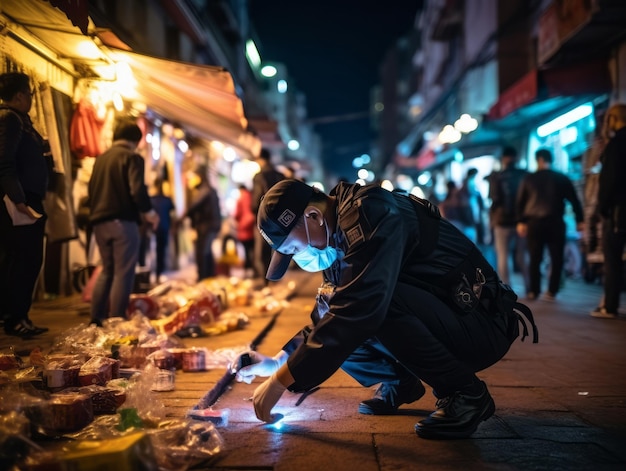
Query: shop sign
(425, 159)
(521, 93)
(560, 20)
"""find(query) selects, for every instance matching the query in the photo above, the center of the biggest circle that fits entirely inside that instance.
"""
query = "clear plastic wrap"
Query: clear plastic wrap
(15, 442)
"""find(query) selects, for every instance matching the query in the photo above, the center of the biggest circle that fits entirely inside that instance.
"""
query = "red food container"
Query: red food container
(194, 359)
(97, 370)
(64, 413)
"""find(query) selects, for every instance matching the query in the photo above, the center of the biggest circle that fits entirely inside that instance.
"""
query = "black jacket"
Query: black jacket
(612, 181)
(23, 167)
(503, 188)
(116, 188)
(542, 195)
(386, 238)
(204, 209)
(261, 182)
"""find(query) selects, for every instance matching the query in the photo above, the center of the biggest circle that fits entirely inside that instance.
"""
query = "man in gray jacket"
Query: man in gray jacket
(118, 203)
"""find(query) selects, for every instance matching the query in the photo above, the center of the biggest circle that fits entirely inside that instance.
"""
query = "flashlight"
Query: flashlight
(243, 361)
(277, 421)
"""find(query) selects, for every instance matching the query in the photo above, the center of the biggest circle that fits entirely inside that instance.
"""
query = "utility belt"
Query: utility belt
(473, 286)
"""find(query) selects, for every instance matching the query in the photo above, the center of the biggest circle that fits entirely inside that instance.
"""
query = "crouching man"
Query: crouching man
(407, 298)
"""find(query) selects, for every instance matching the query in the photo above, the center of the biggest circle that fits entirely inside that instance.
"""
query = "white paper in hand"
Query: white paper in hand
(19, 218)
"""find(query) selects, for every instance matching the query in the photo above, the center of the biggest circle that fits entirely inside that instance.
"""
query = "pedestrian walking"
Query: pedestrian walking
(206, 219)
(261, 182)
(612, 209)
(455, 207)
(540, 209)
(118, 203)
(24, 177)
(164, 207)
(406, 298)
(474, 200)
(503, 186)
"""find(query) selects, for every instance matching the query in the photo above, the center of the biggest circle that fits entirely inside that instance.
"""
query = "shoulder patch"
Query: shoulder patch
(355, 235)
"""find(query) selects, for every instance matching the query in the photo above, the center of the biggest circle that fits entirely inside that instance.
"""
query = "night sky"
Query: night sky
(333, 50)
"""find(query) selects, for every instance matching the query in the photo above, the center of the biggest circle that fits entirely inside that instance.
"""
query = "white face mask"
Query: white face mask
(313, 259)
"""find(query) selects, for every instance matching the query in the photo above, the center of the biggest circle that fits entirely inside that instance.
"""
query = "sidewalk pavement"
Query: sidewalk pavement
(560, 404)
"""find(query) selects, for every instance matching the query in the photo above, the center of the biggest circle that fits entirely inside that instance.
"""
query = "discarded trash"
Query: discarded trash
(219, 417)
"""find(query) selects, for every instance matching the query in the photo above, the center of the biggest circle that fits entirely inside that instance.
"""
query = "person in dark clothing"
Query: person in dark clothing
(503, 186)
(163, 205)
(261, 182)
(612, 209)
(406, 298)
(540, 208)
(23, 182)
(206, 218)
(118, 203)
(456, 208)
(475, 207)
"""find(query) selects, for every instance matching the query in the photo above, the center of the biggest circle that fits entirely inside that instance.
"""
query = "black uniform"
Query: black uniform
(412, 296)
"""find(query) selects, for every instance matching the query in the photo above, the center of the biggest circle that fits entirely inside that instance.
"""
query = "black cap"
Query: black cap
(280, 209)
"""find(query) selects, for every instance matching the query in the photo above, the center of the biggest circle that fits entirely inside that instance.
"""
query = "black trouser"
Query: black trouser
(248, 246)
(205, 259)
(542, 233)
(613, 248)
(162, 238)
(21, 258)
(422, 336)
(262, 255)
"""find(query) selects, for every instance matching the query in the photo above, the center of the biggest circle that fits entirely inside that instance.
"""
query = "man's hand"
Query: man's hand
(581, 227)
(152, 218)
(265, 398)
(261, 366)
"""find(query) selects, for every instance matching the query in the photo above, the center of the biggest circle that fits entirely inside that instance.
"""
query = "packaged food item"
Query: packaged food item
(144, 303)
(63, 413)
(194, 359)
(177, 353)
(98, 370)
(164, 380)
(163, 359)
(61, 371)
(9, 362)
(104, 399)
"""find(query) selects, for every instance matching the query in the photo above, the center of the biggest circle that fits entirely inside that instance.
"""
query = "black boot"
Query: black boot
(457, 416)
(389, 397)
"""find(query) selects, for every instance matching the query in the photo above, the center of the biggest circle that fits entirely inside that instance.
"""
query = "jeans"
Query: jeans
(507, 242)
(118, 243)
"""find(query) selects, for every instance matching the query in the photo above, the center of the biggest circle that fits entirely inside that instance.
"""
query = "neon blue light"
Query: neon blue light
(565, 120)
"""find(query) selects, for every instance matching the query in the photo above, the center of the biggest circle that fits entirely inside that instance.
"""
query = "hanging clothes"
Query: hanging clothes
(86, 130)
